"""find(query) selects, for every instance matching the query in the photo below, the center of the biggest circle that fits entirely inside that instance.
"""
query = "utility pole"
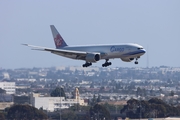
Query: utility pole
(140, 109)
(60, 105)
(147, 57)
(47, 111)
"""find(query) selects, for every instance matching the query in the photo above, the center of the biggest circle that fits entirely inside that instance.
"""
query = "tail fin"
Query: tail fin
(58, 40)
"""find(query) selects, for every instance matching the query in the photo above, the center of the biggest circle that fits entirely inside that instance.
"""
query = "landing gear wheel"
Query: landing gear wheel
(87, 64)
(136, 62)
(106, 63)
(84, 65)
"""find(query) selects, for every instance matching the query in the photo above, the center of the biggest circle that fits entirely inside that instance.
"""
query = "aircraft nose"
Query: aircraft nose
(143, 51)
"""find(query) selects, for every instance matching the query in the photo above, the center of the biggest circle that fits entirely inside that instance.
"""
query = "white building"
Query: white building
(55, 103)
(10, 87)
(6, 75)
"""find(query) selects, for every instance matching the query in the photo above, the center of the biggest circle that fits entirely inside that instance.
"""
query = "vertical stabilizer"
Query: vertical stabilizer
(58, 40)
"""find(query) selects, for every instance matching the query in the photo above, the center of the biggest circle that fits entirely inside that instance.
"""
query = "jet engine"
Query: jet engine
(90, 57)
(127, 59)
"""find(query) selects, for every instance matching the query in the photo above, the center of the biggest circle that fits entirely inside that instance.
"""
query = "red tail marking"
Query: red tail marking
(58, 40)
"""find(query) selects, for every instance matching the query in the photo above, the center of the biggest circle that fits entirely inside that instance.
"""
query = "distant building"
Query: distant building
(4, 105)
(10, 87)
(6, 75)
(5, 101)
(55, 103)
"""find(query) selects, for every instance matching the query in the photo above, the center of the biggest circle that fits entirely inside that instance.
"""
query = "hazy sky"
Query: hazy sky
(154, 24)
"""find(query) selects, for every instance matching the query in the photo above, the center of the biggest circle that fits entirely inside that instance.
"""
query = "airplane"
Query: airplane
(127, 52)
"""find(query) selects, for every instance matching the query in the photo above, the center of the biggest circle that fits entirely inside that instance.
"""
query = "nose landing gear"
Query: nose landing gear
(136, 62)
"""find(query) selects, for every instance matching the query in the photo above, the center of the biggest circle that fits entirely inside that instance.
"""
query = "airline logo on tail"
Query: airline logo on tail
(58, 40)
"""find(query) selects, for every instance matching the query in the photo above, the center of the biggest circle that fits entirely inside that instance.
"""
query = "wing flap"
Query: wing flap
(53, 50)
(66, 53)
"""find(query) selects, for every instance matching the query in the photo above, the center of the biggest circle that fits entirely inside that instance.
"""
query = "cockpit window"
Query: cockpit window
(140, 48)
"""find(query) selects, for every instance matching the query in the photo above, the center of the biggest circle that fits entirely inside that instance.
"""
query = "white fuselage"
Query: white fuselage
(112, 51)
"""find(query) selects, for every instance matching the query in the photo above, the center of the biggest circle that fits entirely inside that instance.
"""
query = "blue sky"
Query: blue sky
(153, 24)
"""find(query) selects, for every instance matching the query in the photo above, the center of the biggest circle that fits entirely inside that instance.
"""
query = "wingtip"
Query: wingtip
(24, 44)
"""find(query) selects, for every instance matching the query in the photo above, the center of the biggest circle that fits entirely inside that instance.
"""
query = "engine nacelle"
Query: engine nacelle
(90, 57)
(127, 59)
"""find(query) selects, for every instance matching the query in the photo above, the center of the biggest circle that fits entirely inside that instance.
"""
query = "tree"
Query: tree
(101, 89)
(58, 92)
(156, 101)
(92, 85)
(112, 107)
(19, 112)
(172, 93)
(99, 112)
(99, 98)
(68, 115)
(152, 108)
(138, 92)
(132, 108)
(2, 91)
(2, 116)
(93, 100)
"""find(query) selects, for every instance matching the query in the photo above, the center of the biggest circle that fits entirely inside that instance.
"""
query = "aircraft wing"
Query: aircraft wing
(68, 53)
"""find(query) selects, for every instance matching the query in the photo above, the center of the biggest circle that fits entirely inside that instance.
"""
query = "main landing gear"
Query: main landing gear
(106, 63)
(87, 64)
